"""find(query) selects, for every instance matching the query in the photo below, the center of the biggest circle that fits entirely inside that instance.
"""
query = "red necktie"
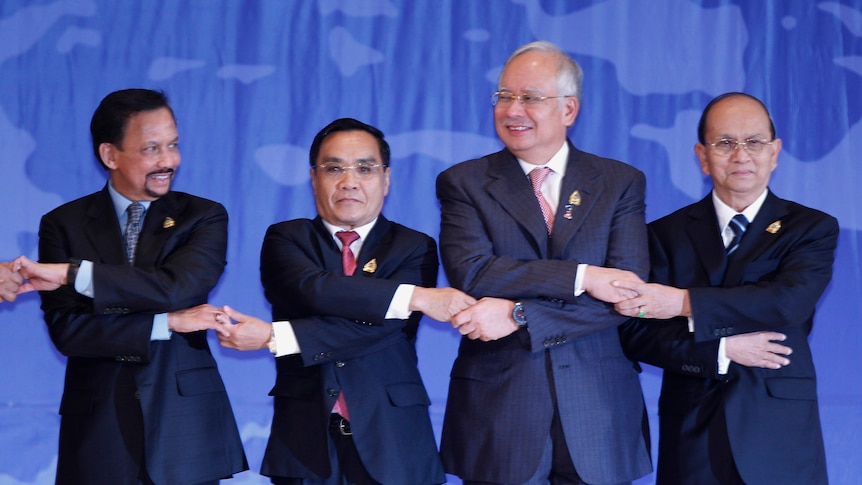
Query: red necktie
(537, 176)
(348, 264)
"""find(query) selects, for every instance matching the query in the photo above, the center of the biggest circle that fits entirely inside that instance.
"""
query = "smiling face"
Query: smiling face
(738, 178)
(143, 165)
(347, 201)
(534, 133)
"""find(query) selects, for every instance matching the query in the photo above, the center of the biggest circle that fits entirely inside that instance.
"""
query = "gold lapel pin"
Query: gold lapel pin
(371, 266)
(574, 199)
(774, 227)
(168, 223)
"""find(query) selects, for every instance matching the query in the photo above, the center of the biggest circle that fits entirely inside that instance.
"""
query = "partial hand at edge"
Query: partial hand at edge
(10, 282)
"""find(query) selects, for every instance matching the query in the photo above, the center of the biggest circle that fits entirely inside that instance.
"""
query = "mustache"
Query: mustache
(164, 170)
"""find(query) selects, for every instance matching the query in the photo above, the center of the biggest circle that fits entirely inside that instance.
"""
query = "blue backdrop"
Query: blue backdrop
(252, 82)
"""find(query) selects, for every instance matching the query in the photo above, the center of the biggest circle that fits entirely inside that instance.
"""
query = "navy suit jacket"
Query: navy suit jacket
(772, 282)
(494, 243)
(347, 344)
(123, 390)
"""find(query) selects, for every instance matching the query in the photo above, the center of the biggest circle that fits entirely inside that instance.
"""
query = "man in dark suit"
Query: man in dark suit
(143, 401)
(733, 408)
(350, 406)
(541, 390)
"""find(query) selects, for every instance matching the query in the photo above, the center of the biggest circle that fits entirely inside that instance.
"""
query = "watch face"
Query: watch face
(519, 315)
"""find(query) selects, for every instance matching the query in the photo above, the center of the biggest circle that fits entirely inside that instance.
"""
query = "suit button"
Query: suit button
(332, 392)
(138, 395)
(339, 364)
(716, 332)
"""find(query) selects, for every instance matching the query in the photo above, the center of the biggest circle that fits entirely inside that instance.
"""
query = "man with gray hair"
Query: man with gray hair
(541, 391)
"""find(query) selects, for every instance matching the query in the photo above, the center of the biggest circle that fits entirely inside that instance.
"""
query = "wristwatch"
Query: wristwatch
(72, 272)
(519, 315)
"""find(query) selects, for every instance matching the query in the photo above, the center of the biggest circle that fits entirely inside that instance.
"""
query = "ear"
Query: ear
(571, 108)
(776, 147)
(700, 151)
(107, 152)
(386, 172)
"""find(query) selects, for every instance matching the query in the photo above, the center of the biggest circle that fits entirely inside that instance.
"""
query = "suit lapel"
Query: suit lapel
(703, 231)
(377, 244)
(329, 252)
(103, 229)
(164, 217)
(585, 178)
(512, 190)
(756, 239)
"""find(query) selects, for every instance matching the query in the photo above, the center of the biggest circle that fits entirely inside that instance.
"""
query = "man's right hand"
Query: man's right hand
(758, 349)
(598, 279)
(10, 281)
(441, 304)
(201, 317)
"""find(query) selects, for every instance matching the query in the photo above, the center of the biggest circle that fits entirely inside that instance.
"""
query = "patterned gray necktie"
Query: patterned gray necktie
(738, 224)
(133, 229)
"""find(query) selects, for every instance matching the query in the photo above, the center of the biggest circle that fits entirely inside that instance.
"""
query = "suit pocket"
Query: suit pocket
(792, 388)
(199, 381)
(408, 394)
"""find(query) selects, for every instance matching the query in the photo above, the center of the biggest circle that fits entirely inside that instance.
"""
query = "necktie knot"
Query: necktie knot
(738, 225)
(348, 260)
(537, 177)
(135, 213)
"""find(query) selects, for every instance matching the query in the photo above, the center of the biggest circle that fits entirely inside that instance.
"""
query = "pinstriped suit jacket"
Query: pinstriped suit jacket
(494, 243)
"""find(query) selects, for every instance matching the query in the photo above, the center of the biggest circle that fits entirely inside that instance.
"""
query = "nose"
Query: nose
(170, 158)
(513, 109)
(348, 180)
(740, 155)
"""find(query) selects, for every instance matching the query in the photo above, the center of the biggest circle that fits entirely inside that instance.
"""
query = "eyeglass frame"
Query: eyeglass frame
(342, 169)
(737, 144)
(496, 99)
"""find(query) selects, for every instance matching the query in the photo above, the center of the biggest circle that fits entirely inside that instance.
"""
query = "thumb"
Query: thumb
(234, 315)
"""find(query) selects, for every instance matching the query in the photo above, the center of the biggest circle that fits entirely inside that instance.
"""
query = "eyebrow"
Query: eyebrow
(366, 160)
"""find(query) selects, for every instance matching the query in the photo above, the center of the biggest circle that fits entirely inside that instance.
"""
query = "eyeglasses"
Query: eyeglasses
(726, 146)
(361, 170)
(529, 99)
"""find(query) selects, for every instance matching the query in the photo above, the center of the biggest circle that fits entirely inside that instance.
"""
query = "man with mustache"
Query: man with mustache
(124, 278)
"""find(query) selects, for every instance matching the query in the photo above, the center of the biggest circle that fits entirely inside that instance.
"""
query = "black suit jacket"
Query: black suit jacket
(494, 243)
(125, 395)
(766, 421)
(348, 345)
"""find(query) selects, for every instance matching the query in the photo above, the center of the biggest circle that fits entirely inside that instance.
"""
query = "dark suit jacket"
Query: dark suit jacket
(122, 389)
(347, 345)
(772, 282)
(494, 243)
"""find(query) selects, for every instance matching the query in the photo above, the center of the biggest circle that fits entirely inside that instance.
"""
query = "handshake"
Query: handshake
(22, 276)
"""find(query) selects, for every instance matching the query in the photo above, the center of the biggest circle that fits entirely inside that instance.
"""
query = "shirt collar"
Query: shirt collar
(121, 203)
(557, 163)
(725, 213)
(361, 230)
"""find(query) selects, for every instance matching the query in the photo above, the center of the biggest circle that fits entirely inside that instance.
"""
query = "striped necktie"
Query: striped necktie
(738, 224)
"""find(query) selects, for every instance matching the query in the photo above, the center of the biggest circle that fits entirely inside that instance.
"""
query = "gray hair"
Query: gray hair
(570, 77)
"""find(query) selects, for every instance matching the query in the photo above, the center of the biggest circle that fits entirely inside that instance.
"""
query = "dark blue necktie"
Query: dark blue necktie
(738, 224)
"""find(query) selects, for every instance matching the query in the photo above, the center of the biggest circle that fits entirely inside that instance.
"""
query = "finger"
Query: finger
(780, 337)
(234, 315)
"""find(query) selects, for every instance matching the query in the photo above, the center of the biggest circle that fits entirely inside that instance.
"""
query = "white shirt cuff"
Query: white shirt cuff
(399, 307)
(285, 339)
(723, 361)
(579, 279)
(84, 279)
